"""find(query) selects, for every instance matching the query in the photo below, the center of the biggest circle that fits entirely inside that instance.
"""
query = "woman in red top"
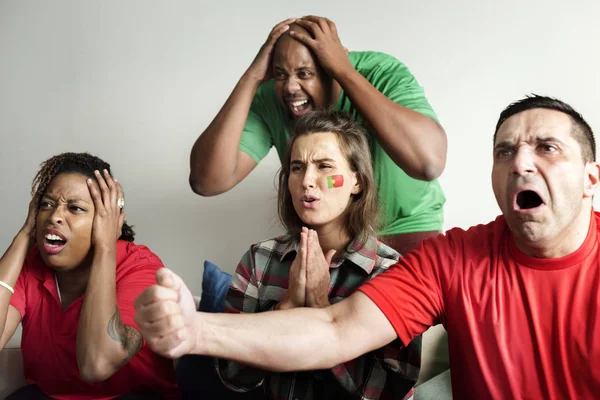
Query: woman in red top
(70, 276)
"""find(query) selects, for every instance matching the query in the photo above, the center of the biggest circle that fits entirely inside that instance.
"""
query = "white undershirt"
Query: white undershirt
(57, 288)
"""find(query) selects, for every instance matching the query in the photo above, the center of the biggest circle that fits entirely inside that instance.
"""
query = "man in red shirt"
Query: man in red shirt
(519, 296)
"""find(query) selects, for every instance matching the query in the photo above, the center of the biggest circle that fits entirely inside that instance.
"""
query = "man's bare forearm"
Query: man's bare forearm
(214, 157)
(295, 339)
(277, 340)
(415, 142)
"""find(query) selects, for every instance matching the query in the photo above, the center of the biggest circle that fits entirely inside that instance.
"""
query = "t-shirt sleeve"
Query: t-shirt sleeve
(411, 293)
(137, 273)
(256, 139)
(18, 299)
(397, 83)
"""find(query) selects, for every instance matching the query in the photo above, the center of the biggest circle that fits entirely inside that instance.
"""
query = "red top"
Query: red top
(49, 334)
(518, 326)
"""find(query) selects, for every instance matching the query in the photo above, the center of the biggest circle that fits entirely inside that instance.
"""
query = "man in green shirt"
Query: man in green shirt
(303, 66)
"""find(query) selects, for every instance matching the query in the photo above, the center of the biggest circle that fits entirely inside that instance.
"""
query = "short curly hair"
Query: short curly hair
(65, 163)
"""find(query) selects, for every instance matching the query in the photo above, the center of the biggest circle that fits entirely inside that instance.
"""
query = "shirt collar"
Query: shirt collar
(37, 267)
(364, 257)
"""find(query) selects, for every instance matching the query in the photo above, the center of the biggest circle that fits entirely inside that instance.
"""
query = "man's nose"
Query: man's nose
(292, 86)
(524, 162)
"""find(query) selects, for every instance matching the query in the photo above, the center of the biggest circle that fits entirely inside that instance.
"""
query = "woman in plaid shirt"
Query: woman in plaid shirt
(327, 202)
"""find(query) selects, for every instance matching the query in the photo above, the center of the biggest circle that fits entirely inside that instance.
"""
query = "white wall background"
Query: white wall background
(135, 82)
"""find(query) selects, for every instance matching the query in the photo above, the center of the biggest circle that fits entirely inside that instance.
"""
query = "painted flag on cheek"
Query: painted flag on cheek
(335, 181)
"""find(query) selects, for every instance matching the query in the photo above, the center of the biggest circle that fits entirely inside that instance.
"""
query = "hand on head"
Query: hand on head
(109, 216)
(29, 225)
(165, 314)
(321, 38)
(260, 69)
(324, 42)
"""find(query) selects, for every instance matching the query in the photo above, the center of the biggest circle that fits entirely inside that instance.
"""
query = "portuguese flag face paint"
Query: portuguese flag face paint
(335, 181)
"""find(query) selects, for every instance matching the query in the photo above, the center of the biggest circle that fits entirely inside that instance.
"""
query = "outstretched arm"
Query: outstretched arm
(289, 340)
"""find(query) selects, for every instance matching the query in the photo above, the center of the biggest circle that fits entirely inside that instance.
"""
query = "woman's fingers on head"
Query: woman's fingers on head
(115, 191)
(101, 189)
(101, 182)
(110, 182)
(120, 195)
(95, 193)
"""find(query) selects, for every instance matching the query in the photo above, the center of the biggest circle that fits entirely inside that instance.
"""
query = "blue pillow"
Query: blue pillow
(196, 375)
(214, 288)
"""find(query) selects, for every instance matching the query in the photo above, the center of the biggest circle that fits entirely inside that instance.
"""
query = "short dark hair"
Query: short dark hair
(362, 212)
(79, 163)
(582, 132)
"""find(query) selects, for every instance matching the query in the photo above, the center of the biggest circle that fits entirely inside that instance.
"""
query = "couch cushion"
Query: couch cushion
(437, 388)
(196, 375)
(214, 288)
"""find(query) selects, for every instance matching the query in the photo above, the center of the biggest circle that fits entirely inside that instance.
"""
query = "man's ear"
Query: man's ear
(356, 185)
(591, 179)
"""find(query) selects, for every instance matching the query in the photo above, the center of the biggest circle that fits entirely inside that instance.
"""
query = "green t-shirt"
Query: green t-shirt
(407, 204)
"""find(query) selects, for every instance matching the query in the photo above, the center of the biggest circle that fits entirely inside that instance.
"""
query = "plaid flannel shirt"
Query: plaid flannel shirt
(260, 282)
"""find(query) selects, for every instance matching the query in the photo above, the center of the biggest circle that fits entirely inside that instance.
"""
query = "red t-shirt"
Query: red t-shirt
(49, 334)
(518, 326)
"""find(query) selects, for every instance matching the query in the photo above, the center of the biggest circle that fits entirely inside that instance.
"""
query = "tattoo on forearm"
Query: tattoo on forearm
(129, 337)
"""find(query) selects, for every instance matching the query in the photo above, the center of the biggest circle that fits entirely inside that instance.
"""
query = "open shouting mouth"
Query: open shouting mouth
(298, 107)
(527, 201)
(54, 241)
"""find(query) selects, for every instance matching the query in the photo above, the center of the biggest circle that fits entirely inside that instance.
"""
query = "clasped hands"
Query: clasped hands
(309, 275)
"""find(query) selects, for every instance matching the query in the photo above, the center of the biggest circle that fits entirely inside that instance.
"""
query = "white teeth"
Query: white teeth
(51, 236)
(299, 103)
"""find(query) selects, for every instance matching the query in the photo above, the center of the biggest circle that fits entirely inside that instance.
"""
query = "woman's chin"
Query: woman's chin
(59, 262)
(315, 225)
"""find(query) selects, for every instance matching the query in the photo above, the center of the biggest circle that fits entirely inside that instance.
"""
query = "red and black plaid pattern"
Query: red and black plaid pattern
(260, 282)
